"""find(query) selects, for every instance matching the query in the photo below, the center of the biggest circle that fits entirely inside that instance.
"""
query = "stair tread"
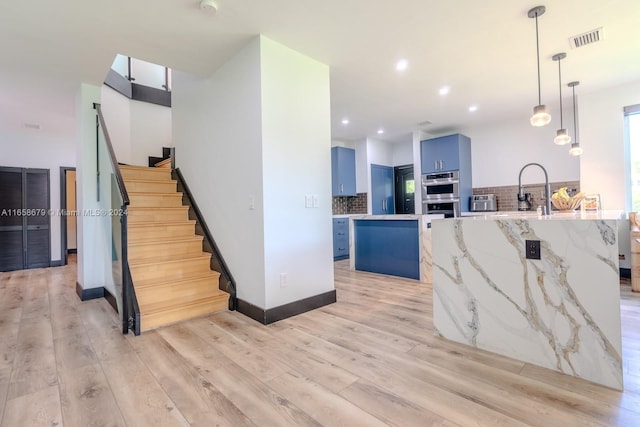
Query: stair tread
(159, 208)
(147, 262)
(180, 303)
(151, 193)
(157, 259)
(177, 282)
(137, 167)
(148, 181)
(165, 240)
(142, 224)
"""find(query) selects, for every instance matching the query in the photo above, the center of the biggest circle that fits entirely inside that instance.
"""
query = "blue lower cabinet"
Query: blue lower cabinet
(388, 247)
(340, 238)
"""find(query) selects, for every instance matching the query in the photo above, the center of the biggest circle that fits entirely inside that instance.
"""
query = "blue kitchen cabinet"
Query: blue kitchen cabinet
(382, 190)
(343, 171)
(446, 153)
(340, 238)
(387, 247)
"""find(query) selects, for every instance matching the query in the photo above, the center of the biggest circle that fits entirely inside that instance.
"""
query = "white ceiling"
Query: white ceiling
(483, 50)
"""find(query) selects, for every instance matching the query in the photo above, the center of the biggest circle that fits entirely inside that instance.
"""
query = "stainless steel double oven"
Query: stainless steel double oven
(441, 193)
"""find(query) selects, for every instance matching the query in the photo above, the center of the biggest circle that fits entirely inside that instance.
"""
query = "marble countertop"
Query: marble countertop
(575, 215)
(428, 218)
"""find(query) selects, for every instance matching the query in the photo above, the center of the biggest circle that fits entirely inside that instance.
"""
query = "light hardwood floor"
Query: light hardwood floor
(368, 360)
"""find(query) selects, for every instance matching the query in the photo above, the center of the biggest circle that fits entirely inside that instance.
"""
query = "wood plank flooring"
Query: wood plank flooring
(368, 360)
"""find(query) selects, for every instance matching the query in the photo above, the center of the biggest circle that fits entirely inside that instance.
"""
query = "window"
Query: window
(632, 130)
(410, 186)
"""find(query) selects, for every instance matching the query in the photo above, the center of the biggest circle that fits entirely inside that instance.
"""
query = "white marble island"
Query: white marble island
(561, 312)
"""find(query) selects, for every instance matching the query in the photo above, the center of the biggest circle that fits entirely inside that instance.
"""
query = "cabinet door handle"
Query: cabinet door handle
(435, 165)
(342, 188)
(441, 163)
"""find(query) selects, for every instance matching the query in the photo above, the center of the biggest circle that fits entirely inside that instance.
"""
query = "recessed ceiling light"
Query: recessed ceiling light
(402, 65)
(209, 6)
(473, 108)
(345, 121)
(444, 90)
(380, 131)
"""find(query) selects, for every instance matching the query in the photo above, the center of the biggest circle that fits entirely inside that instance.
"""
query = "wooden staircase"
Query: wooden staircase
(170, 272)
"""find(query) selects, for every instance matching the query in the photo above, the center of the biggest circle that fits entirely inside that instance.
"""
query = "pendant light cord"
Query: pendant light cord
(560, 90)
(575, 126)
(538, 58)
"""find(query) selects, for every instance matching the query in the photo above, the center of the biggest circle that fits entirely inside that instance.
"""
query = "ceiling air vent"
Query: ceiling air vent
(589, 37)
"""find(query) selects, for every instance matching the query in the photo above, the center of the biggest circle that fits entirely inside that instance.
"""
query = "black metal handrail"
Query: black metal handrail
(216, 254)
(130, 309)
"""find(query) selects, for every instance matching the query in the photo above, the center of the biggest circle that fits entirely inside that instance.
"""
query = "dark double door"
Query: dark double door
(24, 218)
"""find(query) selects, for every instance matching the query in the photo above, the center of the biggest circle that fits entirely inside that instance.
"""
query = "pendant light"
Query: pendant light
(540, 115)
(562, 137)
(575, 150)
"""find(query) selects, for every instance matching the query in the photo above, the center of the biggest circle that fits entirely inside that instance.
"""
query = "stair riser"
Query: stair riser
(164, 250)
(135, 215)
(169, 270)
(155, 200)
(159, 174)
(151, 187)
(145, 234)
(153, 320)
(197, 289)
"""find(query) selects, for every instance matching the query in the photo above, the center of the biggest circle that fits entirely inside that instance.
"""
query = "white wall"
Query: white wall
(137, 129)
(150, 131)
(604, 168)
(296, 161)
(218, 140)
(500, 150)
(362, 167)
(240, 142)
(93, 245)
(402, 153)
(117, 116)
(43, 149)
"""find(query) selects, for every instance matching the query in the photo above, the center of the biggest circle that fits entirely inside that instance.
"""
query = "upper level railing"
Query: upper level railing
(143, 72)
(113, 201)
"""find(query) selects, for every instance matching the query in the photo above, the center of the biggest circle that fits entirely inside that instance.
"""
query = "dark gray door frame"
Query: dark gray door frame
(63, 208)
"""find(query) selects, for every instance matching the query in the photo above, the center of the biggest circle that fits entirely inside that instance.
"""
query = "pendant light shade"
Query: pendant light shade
(562, 137)
(576, 149)
(540, 116)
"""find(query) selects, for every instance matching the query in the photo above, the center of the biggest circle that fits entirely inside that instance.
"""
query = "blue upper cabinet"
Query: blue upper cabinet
(446, 153)
(450, 153)
(343, 171)
(382, 190)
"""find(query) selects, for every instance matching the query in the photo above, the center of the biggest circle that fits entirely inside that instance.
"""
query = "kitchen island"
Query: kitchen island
(560, 311)
(399, 245)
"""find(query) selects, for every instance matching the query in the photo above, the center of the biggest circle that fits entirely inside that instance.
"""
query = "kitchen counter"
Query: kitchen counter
(392, 244)
(556, 215)
(561, 311)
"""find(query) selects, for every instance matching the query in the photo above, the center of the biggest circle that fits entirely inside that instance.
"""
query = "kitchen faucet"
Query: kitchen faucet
(547, 187)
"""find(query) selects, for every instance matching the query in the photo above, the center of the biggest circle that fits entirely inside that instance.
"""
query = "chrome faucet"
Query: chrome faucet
(547, 187)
